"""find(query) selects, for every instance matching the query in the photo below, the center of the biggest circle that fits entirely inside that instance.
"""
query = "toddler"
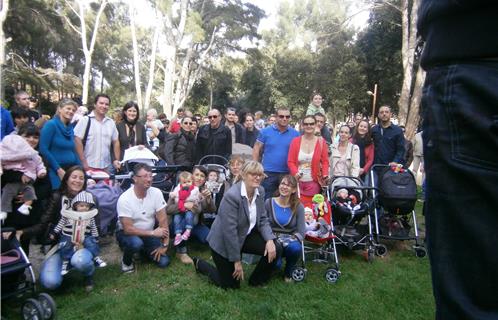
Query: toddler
(212, 182)
(317, 228)
(18, 154)
(183, 221)
(79, 229)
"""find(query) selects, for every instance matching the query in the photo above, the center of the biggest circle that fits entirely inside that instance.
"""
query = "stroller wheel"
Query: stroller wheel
(380, 250)
(32, 310)
(420, 252)
(48, 305)
(298, 274)
(332, 275)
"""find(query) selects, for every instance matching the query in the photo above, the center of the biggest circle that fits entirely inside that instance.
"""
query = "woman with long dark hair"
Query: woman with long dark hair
(286, 215)
(131, 132)
(363, 139)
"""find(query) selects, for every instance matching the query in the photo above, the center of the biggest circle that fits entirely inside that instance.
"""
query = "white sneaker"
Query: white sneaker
(3, 215)
(65, 267)
(99, 262)
(24, 209)
(127, 268)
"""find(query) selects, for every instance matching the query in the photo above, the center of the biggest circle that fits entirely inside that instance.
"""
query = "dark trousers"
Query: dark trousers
(221, 275)
(460, 109)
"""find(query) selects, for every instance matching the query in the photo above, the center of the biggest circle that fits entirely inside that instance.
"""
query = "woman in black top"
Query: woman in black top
(179, 148)
(130, 132)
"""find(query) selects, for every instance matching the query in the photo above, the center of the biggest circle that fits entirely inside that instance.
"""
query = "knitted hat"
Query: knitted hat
(85, 197)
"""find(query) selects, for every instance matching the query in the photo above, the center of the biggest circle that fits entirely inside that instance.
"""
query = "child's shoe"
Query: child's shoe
(178, 239)
(65, 267)
(99, 262)
(186, 235)
(24, 209)
(3, 215)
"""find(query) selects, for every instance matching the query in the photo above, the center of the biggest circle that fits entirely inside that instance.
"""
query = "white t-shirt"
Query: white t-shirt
(141, 211)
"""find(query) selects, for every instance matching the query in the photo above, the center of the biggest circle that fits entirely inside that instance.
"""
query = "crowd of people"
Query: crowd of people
(257, 208)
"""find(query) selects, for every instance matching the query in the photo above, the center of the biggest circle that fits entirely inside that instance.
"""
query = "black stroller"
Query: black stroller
(217, 188)
(397, 197)
(351, 215)
(15, 282)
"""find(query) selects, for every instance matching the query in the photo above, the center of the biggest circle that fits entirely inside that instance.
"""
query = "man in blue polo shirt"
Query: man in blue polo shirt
(273, 143)
(389, 140)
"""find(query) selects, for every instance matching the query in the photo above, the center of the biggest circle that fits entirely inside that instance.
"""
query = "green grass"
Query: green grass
(394, 287)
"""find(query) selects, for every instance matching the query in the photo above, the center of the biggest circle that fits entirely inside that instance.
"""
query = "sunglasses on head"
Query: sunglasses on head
(212, 117)
(281, 116)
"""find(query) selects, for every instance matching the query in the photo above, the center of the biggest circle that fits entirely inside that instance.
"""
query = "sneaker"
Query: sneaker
(24, 209)
(65, 267)
(178, 239)
(99, 262)
(3, 215)
(186, 235)
(127, 268)
(89, 284)
(184, 258)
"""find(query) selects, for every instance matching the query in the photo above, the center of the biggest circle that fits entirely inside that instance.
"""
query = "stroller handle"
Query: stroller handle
(201, 161)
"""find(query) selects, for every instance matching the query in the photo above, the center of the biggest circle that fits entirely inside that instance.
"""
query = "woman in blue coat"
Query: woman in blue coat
(57, 142)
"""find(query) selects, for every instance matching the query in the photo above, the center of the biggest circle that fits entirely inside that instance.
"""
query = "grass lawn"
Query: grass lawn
(394, 287)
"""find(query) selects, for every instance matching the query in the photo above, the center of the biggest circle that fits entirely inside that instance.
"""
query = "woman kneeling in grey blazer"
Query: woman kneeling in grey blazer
(241, 226)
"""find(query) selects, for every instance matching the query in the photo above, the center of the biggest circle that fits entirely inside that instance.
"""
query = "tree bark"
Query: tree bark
(3, 15)
(136, 57)
(152, 66)
(414, 115)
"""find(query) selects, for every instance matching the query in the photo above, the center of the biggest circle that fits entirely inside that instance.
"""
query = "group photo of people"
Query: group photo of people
(248, 159)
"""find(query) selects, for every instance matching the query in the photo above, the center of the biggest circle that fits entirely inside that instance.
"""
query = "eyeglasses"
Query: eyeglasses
(281, 116)
(256, 175)
(308, 124)
(212, 117)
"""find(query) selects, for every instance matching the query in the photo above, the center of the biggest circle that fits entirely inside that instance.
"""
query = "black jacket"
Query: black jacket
(179, 149)
(240, 132)
(250, 137)
(448, 26)
(214, 142)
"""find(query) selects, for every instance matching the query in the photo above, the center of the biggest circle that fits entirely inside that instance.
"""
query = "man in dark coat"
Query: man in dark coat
(214, 139)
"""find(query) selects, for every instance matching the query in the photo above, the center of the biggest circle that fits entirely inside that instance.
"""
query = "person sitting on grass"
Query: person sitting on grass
(79, 230)
(241, 226)
(139, 208)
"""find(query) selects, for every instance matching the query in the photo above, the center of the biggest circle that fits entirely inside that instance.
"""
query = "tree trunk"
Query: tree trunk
(3, 43)
(408, 43)
(414, 115)
(136, 57)
(152, 66)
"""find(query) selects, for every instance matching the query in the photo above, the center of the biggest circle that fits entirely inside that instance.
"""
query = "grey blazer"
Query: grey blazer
(229, 229)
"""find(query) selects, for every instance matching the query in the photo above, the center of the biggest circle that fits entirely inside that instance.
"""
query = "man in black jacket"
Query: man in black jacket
(460, 137)
(214, 139)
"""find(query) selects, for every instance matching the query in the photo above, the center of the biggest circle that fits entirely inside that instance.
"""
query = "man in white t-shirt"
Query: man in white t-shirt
(139, 208)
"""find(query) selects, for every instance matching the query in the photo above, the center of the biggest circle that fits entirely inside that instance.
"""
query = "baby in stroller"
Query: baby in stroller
(316, 225)
(186, 195)
(79, 229)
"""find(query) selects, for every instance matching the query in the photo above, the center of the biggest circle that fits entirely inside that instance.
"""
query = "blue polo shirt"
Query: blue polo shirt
(276, 147)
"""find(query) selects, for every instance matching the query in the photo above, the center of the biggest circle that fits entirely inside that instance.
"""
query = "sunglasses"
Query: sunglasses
(212, 117)
(308, 124)
(281, 116)
(188, 123)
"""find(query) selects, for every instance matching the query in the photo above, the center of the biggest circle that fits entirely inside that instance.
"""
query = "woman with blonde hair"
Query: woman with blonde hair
(241, 226)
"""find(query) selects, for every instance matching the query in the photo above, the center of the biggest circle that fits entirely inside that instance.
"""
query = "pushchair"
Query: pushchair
(396, 197)
(352, 206)
(15, 283)
(217, 188)
(320, 246)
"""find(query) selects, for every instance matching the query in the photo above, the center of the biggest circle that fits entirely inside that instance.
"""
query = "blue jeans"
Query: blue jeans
(199, 231)
(183, 221)
(271, 182)
(66, 247)
(50, 272)
(460, 110)
(292, 252)
(135, 244)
